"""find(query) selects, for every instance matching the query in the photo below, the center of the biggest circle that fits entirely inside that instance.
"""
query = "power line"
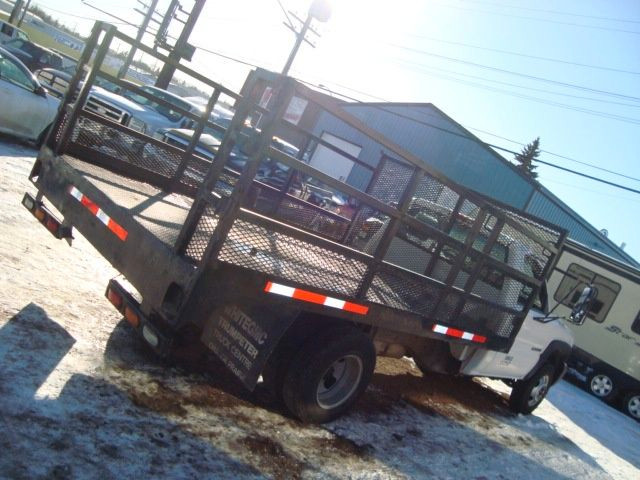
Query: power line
(510, 72)
(524, 55)
(46, 7)
(558, 155)
(598, 113)
(545, 20)
(505, 138)
(449, 131)
(222, 55)
(285, 13)
(582, 189)
(556, 12)
(516, 85)
(480, 142)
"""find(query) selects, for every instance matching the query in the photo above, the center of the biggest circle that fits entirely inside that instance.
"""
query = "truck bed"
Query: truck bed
(248, 245)
(159, 212)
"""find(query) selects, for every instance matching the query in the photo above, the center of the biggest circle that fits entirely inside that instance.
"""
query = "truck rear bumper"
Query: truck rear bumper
(109, 219)
(129, 307)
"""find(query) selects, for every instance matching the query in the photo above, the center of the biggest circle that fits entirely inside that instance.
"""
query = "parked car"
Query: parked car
(56, 81)
(26, 109)
(9, 32)
(141, 113)
(34, 56)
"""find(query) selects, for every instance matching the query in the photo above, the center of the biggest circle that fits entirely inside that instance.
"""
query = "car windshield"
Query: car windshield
(167, 112)
(19, 44)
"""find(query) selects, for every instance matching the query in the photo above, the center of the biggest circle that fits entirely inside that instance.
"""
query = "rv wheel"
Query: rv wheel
(528, 394)
(601, 385)
(632, 404)
(328, 374)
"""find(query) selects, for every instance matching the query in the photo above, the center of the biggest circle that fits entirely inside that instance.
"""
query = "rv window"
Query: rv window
(573, 283)
(635, 326)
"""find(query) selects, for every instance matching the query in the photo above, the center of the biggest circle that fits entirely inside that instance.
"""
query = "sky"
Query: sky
(567, 71)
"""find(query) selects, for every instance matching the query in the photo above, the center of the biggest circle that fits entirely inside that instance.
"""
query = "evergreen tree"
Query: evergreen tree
(525, 158)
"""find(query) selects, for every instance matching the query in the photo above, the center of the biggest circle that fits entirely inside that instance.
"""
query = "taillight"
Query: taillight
(131, 316)
(40, 214)
(45, 217)
(115, 298)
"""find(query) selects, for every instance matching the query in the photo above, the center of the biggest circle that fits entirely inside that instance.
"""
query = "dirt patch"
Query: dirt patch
(432, 393)
(273, 459)
(344, 446)
(163, 400)
(209, 396)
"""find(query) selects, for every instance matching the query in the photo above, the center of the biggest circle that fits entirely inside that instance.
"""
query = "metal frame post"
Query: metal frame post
(109, 31)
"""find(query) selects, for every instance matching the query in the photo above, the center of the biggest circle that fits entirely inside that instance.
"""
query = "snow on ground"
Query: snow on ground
(81, 398)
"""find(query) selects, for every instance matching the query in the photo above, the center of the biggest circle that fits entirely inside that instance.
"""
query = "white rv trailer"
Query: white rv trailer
(607, 345)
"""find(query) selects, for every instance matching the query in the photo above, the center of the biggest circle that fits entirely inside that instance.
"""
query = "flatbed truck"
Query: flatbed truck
(298, 292)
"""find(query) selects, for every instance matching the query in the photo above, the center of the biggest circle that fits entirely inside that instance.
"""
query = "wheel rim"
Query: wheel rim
(539, 390)
(339, 381)
(601, 385)
(633, 406)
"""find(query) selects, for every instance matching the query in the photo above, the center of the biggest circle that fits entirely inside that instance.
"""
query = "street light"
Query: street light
(321, 11)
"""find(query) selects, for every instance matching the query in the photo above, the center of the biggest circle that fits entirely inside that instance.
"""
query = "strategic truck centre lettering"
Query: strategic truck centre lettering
(286, 271)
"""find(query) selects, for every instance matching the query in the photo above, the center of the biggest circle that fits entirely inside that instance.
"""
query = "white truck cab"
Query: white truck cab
(536, 359)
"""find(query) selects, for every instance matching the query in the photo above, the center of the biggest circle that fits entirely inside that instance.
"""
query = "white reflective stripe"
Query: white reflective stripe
(104, 218)
(75, 193)
(440, 329)
(467, 336)
(281, 290)
(334, 302)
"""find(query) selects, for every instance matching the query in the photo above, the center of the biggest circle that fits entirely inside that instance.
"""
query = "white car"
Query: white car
(26, 110)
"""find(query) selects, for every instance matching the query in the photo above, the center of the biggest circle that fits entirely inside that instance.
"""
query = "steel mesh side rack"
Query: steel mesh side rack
(413, 244)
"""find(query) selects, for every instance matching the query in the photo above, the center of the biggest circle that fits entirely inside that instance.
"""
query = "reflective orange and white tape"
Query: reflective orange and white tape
(319, 299)
(114, 227)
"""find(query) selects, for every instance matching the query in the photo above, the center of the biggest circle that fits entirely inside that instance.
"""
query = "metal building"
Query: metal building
(428, 133)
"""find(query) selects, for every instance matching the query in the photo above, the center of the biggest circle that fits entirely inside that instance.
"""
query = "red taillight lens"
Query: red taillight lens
(52, 225)
(131, 317)
(115, 298)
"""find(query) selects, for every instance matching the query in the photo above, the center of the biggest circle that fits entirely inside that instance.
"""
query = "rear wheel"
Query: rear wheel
(526, 395)
(631, 404)
(328, 374)
(601, 385)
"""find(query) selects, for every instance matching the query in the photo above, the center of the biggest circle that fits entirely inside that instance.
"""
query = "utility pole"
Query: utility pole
(319, 10)
(181, 49)
(15, 13)
(151, 9)
(24, 12)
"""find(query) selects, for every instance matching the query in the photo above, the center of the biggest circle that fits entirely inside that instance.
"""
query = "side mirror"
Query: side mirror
(581, 307)
(40, 91)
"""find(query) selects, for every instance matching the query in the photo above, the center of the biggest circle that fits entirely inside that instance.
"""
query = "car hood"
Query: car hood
(120, 101)
(206, 141)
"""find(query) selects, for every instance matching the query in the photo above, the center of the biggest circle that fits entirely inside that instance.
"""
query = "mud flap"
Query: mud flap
(243, 338)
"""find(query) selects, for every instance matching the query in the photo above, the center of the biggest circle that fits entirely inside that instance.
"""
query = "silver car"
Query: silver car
(26, 110)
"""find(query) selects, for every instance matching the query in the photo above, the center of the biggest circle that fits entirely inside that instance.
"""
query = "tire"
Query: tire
(601, 385)
(328, 374)
(631, 405)
(526, 395)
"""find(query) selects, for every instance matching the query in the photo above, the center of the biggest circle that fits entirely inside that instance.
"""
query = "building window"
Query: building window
(574, 281)
(635, 326)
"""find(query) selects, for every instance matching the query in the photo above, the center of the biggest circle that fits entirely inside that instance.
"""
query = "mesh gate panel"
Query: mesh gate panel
(119, 144)
(252, 246)
(203, 233)
(398, 291)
